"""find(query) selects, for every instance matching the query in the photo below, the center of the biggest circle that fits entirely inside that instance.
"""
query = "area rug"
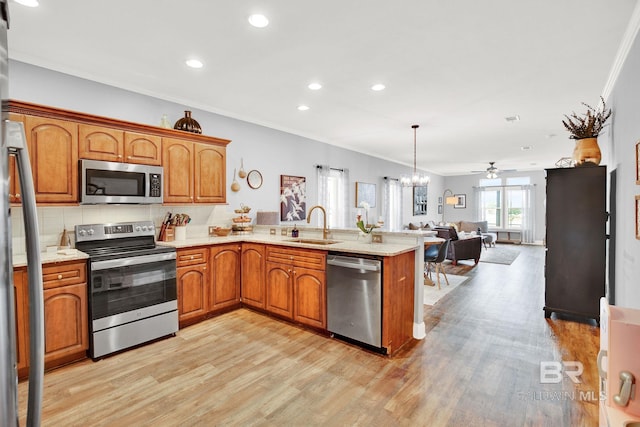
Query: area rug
(499, 255)
(432, 294)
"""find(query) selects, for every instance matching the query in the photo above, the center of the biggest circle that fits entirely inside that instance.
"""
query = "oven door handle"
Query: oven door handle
(126, 262)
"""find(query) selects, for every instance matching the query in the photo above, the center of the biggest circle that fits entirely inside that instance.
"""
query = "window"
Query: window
(502, 206)
(333, 195)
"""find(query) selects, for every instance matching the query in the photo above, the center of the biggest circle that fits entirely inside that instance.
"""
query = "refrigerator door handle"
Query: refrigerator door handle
(17, 144)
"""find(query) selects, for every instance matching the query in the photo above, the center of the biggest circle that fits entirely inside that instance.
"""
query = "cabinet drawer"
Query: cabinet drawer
(54, 276)
(192, 256)
(307, 258)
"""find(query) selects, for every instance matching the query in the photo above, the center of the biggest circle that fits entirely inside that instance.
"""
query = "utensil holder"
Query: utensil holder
(180, 232)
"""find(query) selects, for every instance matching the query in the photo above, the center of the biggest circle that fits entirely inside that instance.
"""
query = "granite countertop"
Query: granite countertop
(20, 260)
(341, 245)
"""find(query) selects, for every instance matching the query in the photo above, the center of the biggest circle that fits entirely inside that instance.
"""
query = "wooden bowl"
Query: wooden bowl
(218, 231)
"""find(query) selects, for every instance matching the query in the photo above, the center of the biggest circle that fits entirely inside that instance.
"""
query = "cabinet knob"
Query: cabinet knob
(191, 256)
(17, 195)
(119, 156)
(129, 157)
(59, 276)
(204, 268)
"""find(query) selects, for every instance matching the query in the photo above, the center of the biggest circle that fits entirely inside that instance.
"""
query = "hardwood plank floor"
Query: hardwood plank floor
(478, 366)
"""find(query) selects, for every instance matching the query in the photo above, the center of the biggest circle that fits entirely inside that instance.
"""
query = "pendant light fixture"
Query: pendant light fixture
(417, 179)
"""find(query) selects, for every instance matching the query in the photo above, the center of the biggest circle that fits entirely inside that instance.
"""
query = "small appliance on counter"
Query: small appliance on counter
(619, 364)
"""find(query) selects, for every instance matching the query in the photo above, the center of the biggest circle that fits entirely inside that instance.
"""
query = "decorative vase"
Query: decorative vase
(587, 152)
(187, 123)
(366, 237)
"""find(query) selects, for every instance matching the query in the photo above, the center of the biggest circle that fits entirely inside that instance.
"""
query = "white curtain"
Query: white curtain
(528, 213)
(392, 204)
(477, 195)
(333, 195)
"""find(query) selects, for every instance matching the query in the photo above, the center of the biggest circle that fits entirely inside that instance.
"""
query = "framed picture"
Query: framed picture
(293, 191)
(365, 193)
(461, 201)
(638, 217)
(439, 209)
(420, 200)
(638, 163)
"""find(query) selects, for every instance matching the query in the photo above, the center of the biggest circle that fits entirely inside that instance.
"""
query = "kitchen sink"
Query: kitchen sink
(313, 241)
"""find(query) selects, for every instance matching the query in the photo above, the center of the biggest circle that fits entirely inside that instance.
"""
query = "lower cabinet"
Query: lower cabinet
(192, 280)
(225, 263)
(296, 285)
(66, 317)
(253, 290)
(397, 304)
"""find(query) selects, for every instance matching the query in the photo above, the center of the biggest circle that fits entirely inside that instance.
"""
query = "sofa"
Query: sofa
(468, 247)
(473, 226)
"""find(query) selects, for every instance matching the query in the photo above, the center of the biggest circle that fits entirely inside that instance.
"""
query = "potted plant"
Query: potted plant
(585, 130)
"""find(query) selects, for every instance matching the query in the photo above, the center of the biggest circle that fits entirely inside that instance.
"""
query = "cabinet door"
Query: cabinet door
(279, 289)
(53, 149)
(14, 183)
(65, 324)
(253, 265)
(100, 143)
(192, 292)
(309, 290)
(177, 157)
(225, 276)
(209, 178)
(142, 149)
(21, 307)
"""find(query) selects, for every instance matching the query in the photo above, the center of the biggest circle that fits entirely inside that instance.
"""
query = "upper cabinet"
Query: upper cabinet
(113, 145)
(53, 149)
(194, 164)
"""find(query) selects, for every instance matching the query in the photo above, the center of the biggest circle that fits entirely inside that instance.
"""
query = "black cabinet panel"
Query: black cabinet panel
(576, 241)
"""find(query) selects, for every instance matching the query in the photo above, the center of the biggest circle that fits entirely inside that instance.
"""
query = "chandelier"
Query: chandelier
(417, 179)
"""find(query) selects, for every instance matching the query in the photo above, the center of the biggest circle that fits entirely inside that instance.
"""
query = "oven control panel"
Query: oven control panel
(89, 232)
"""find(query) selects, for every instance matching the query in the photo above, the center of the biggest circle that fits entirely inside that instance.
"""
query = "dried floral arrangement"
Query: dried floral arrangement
(590, 124)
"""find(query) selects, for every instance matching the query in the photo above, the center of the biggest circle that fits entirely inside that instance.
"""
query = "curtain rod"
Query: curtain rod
(330, 168)
(391, 179)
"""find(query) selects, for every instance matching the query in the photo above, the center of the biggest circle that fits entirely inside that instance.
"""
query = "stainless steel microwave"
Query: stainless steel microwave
(119, 183)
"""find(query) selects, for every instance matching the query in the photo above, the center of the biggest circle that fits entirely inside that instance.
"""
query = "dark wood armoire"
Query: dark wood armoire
(576, 236)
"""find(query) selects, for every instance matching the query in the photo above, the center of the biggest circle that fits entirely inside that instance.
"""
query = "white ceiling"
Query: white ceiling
(457, 68)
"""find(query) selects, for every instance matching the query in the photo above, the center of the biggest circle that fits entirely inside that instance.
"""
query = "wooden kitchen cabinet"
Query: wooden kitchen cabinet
(253, 289)
(53, 150)
(192, 281)
(210, 172)
(296, 285)
(178, 165)
(21, 307)
(66, 313)
(193, 172)
(224, 290)
(115, 145)
(398, 276)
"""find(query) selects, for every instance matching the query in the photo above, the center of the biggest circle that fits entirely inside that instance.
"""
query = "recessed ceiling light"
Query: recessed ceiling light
(315, 86)
(378, 87)
(526, 147)
(28, 3)
(258, 21)
(303, 107)
(512, 119)
(194, 63)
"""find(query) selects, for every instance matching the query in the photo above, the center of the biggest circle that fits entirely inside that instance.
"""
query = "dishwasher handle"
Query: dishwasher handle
(354, 263)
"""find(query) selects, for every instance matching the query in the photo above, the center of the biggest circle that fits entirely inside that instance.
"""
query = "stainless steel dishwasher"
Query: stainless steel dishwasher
(354, 298)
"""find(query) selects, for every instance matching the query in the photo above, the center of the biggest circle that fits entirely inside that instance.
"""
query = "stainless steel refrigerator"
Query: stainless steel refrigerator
(13, 143)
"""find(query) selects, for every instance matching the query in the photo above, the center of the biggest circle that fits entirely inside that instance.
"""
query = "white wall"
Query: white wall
(620, 144)
(270, 151)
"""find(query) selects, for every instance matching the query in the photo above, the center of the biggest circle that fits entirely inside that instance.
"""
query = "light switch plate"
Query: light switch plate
(272, 231)
(283, 231)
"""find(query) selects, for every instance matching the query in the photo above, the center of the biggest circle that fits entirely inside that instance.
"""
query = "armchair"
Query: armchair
(459, 249)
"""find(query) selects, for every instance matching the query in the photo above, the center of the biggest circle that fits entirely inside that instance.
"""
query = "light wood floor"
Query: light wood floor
(478, 366)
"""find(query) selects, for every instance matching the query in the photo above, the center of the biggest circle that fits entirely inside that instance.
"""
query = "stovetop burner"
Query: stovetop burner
(118, 240)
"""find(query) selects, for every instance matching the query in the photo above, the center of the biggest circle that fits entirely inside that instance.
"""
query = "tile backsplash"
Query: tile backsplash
(53, 220)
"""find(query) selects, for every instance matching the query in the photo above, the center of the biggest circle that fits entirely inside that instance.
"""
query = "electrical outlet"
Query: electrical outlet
(376, 238)
(272, 231)
(283, 231)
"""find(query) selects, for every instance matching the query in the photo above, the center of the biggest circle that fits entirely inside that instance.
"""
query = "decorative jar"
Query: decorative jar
(188, 124)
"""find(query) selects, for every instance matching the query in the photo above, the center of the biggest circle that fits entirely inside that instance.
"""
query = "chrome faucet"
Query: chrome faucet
(325, 231)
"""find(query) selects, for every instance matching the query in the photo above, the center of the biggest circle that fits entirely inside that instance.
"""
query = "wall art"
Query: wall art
(293, 191)
(365, 193)
(461, 201)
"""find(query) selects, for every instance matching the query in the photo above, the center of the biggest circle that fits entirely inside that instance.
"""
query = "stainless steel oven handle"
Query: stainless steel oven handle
(126, 262)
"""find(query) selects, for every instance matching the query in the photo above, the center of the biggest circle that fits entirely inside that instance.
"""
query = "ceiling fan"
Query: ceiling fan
(492, 171)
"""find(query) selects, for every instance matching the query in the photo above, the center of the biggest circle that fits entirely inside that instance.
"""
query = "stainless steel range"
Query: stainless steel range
(132, 285)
